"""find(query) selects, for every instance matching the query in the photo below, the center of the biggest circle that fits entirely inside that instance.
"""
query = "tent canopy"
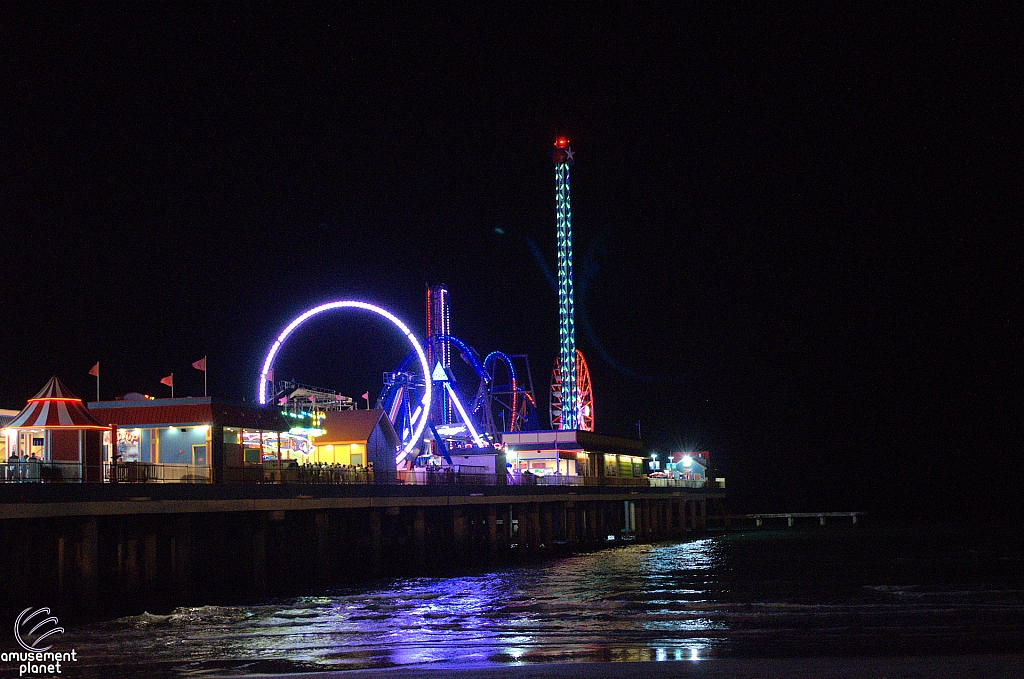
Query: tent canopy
(55, 407)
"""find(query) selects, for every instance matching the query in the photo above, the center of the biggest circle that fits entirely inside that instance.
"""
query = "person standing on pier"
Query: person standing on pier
(12, 466)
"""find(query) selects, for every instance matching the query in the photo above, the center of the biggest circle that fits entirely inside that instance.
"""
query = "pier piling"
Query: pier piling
(215, 545)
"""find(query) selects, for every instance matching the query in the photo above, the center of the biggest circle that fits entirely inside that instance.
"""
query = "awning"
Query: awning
(54, 407)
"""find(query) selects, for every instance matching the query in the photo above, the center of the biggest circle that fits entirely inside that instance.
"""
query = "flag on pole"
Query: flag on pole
(201, 365)
(95, 372)
(366, 395)
(270, 376)
(169, 381)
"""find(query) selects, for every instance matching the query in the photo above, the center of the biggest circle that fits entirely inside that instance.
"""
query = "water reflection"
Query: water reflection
(641, 596)
(690, 601)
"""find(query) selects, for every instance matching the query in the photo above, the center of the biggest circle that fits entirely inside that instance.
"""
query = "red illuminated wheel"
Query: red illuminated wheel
(584, 396)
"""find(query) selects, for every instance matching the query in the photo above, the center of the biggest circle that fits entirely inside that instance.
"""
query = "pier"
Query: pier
(121, 548)
(791, 518)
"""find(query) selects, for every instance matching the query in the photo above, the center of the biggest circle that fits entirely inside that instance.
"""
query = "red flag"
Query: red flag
(312, 399)
(282, 401)
(95, 370)
(366, 395)
(270, 376)
(200, 364)
(169, 380)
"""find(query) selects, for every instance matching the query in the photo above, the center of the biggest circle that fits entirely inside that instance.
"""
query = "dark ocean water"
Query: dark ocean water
(834, 591)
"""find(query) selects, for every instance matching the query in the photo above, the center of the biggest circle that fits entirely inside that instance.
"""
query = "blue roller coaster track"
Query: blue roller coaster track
(498, 406)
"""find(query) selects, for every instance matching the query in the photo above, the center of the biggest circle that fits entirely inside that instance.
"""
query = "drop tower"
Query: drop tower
(564, 403)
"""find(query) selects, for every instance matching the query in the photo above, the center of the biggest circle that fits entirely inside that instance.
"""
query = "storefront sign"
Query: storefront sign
(128, 441)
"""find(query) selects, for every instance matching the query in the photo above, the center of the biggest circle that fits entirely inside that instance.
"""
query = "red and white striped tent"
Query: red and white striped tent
(57, 427)
(54, 407)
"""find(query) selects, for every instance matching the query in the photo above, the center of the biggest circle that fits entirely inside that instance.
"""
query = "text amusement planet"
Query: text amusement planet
(35, 630)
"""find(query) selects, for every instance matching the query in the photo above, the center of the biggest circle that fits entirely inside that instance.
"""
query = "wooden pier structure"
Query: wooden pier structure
(790, 517)
(111, 549)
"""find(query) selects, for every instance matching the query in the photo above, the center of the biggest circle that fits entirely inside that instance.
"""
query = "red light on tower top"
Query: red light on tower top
(562, 153)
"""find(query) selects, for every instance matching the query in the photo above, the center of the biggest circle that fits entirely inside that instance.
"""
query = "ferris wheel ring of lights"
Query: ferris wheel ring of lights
(268, 363)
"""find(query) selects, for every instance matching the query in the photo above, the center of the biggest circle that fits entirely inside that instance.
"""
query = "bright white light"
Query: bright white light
(439, 375)
(465, 417)
(654, 456)
(302, 431)
(268, 363)
(693, 654)
(687, 460)
(203, 428)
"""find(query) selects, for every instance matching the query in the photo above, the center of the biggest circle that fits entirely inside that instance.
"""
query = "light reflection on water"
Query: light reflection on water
(565, 609)
(706, 598)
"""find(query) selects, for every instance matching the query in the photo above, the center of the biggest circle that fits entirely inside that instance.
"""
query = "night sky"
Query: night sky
(797, 236)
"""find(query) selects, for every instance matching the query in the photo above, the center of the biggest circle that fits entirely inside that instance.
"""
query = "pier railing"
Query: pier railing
(151, 472)
(36, 471)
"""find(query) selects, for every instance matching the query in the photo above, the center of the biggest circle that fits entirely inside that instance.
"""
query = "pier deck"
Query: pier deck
(104, 549)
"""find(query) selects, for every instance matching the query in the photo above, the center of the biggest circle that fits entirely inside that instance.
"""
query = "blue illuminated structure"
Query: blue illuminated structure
(564, 398)
(401, 396)
(501, 404)
(490, 390)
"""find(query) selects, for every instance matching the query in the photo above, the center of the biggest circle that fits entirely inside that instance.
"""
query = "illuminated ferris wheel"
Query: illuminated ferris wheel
(584, 395)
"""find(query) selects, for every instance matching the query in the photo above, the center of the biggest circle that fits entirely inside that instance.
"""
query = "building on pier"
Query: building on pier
(6, 417)
(195, 438)
(688, 466)
(573, 453)
(55, 438)
(357, 437)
